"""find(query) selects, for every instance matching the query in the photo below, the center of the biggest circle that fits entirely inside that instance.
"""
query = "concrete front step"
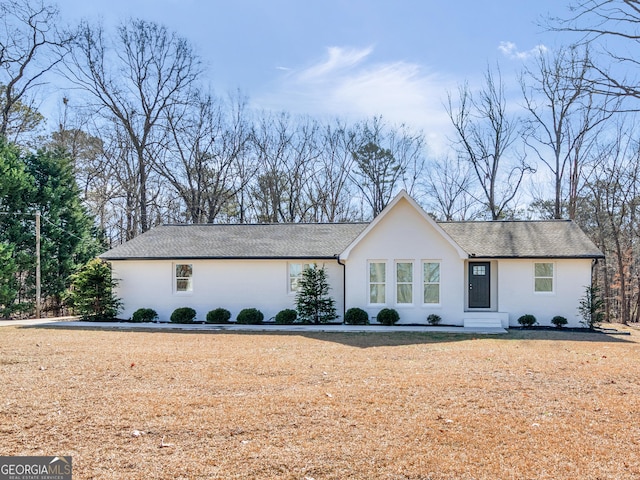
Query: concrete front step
(483, 322)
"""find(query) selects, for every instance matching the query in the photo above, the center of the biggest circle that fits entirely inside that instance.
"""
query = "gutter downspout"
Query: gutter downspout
(344, 285)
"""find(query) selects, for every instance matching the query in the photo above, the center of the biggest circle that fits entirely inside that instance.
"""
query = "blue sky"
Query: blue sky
(347, 58)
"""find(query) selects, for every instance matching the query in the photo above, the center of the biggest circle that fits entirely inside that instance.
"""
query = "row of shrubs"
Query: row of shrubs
(188, 315)
(528, 321)
(252, 316)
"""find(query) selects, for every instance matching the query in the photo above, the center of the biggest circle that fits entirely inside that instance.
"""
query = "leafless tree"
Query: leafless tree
(614, 183)
(30, 46)
(386, 159)
(611, 29)
(486, 137)
(286, 151)
(448, 186)
(135, 79)
(205, 155)
(331, 188)
(565, 117)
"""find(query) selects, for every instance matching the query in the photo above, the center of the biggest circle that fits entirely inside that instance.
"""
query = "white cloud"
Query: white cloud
(339, 59)
(510, 50)
(348, 84)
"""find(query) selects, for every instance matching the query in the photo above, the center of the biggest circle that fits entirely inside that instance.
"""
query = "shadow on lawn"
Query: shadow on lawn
(390, 338)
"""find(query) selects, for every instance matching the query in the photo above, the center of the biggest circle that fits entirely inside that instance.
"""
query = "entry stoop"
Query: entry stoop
(486, 320)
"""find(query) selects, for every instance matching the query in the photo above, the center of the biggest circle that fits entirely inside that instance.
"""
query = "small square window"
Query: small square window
(479, 270)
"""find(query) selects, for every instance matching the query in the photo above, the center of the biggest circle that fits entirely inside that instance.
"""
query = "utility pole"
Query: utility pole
(38, 306)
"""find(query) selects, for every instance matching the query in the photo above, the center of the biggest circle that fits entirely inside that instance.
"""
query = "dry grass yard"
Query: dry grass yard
(144, 405)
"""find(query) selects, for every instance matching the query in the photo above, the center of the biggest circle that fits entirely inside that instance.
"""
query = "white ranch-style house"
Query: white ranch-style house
(468, 273)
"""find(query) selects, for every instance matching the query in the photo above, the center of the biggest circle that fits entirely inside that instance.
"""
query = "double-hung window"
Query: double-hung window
(404, 282)
(377, 282)
(543, 277)
(295, 276)
(184, 277)
(431, 282)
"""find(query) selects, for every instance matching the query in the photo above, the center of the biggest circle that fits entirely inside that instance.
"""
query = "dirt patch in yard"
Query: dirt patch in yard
(145, 405)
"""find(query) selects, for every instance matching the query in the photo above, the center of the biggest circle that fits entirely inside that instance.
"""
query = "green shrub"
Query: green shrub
(144, 315)
(388, 316)
(219, 315)
(286, 316)
(93, 292)
(434, 319)
(356, 316)
(591, 308)
(250, 316)
(527, 320)
(183, 315)
(559, 321)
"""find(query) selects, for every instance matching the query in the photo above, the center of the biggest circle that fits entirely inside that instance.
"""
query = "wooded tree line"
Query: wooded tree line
(144, 142)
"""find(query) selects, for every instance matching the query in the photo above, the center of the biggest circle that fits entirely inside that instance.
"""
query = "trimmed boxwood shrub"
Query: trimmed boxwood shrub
(144, 315)
(527, 320)
(250, 316)
(183, 315)
(286, 316)
(388, 316)
(559, 321)
(356, 316)
(434, 319)
(218, 315)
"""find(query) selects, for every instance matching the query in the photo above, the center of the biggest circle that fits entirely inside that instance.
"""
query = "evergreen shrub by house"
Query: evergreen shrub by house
(356, 316)
(144, 315)
(250, 316)
(183, 315)
(434, 319)
(527, 320)
(218, 315)
(388, 316)
(559, 321)
(286, 316)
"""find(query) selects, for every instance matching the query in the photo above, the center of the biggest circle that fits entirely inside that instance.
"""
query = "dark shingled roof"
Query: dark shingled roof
(501, 239)
(286, 240)
(520, 239)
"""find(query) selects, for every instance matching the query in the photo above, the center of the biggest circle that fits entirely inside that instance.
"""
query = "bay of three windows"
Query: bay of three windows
(402, 280)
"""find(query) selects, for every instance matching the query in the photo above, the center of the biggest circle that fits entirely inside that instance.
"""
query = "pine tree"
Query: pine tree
(313, 302)
(93, 292)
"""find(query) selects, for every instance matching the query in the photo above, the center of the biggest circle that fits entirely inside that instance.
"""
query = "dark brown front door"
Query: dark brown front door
(479, 285)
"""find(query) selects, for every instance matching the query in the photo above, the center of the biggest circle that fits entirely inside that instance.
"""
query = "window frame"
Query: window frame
(552, 277)
(298, 277)
(383, 283)
(398, 282)
(425, 283)
(177, 278)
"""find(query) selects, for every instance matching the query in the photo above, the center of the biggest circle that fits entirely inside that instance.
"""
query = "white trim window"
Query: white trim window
(377, 283)
(183, 277)
(543, 277)
(404, 283)
(295, 276)
(431, 283)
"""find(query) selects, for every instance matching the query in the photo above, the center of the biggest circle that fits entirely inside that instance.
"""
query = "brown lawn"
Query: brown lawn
(527, 405)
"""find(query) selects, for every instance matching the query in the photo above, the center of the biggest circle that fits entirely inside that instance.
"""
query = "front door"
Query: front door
(479, 285)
